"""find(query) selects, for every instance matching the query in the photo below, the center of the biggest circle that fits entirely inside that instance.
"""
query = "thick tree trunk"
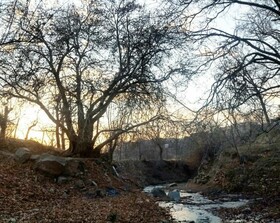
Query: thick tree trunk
(3, 129)
(160, 152)
(112, 148)
(81, 143)
(81, 148)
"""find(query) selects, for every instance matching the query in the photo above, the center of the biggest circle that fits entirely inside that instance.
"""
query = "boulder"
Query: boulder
(158, 192)
(56, 165)
(174, 195)
(50, 165)
(34, 157)
(74, 167)
(22, 155)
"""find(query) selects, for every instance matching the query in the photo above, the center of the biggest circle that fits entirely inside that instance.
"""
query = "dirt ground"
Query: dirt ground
(28, 196)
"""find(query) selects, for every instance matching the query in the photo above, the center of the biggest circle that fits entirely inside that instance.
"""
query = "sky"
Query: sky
(191, 96)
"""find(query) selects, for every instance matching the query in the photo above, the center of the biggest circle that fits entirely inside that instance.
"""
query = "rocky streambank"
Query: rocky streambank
(49, 188)
(254, 173)
(155, 172)
(213, 206)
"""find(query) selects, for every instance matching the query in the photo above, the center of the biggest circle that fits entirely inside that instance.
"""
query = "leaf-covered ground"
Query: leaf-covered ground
(28, 196)
(256, 176)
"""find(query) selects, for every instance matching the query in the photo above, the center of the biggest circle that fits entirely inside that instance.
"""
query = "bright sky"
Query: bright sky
(191, 96)
(29, 115)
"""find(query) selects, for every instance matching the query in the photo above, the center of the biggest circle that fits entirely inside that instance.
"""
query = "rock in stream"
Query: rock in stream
(194, 207)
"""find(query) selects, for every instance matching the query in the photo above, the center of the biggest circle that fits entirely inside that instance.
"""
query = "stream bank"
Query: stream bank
(262, 206)
(154, 172)
(202, 204)
(194, 207)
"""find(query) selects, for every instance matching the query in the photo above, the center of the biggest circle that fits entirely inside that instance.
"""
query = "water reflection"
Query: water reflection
(194, 207)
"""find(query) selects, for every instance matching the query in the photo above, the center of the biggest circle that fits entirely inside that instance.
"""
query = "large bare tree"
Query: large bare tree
(79, 59)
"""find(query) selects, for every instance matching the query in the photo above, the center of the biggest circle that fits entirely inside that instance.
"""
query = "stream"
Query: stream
(196, 208)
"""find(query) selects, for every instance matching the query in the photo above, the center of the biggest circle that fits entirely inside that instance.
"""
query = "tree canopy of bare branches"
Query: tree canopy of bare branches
(80, 59)
(245, 60)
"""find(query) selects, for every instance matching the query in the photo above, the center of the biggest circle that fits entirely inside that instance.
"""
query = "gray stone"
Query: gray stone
(50, 164)
(57, 165)
(174, 195)
(22, 155)
(157, 192)
(35, 157)
(74, 167)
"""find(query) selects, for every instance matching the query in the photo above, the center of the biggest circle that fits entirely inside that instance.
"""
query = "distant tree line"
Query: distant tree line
(205, 143)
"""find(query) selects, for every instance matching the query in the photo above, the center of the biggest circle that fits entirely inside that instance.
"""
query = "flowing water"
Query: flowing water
(194, 207)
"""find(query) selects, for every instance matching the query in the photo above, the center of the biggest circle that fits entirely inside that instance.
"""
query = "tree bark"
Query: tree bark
(264, 110)
(57, 128)
(29, 129)
(4, 123)
(63, 147)
(81, 148)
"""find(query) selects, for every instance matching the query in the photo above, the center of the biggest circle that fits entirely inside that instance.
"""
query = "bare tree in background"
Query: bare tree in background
(4, 120)
(124, 122)
(32, 125)
(245, 61)
(11, 13)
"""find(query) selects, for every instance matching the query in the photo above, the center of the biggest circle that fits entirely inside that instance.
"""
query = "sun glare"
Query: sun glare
(34, 124)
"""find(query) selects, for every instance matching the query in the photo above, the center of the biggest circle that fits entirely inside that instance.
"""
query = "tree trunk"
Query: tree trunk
(160, 152)
(81, 143)
(3, 129)
(57, 136)
(4, 123)
(29, 129)
(112, 148)
(63, 147)
(264, 110)
(43, 137)
(81, 148)
(16, 127)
